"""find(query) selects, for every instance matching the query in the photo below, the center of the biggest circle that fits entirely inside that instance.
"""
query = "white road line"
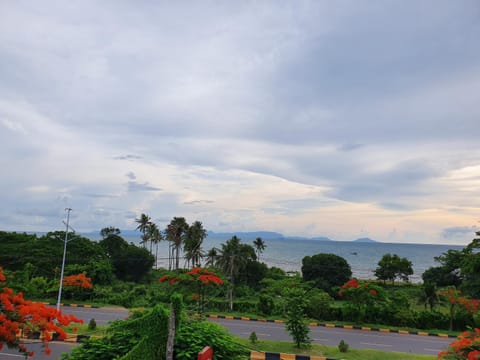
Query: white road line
(373, 344)
(12, 355)
(433, 350)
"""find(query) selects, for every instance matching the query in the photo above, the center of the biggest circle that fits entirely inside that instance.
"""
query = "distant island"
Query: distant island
(365, 240)
(244, 235)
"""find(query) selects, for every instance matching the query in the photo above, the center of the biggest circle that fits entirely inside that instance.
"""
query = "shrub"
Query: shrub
(253, 337)
(318, 306)
(343, 346)
(193, 335)
(92, 324)
(266, 304)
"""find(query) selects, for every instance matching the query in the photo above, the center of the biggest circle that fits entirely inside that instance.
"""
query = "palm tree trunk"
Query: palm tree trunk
(171, 334)
(156, 255)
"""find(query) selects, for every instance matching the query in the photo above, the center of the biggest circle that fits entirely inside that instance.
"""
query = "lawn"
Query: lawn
(331, 352)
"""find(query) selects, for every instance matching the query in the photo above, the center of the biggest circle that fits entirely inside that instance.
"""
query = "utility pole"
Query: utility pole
(63, 260)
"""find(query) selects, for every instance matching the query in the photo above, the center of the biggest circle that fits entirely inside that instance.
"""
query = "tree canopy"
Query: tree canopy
(391, 267)
(326, 270)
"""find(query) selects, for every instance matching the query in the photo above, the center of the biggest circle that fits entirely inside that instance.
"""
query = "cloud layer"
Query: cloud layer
(311, 118)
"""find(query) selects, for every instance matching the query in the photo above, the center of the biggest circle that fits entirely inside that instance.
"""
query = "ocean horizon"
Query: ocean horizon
(363, 257)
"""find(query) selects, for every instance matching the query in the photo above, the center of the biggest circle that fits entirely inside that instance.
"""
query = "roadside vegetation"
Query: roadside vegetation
(233, 280)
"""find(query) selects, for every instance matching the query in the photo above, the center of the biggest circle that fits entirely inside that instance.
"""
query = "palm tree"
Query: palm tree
(143, 223)
(259, 245)
(193, 243)
(230, 260)
(176, 231)
(211, 257)
(155, 237)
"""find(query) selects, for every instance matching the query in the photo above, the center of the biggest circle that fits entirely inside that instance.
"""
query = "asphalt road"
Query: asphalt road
(357, 339)
(102, 316)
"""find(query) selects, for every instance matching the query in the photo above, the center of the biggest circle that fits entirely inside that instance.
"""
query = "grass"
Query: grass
(331, 351)
(82, 329)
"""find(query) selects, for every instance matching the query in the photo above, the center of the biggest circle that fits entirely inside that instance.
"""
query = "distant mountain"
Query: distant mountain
(365, 240)
(243, 235)
(321, 238)
(247, 235)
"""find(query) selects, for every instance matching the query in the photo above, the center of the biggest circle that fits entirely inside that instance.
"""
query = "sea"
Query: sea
(363, 257)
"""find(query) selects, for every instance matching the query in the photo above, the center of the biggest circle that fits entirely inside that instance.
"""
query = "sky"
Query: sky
(343, 119)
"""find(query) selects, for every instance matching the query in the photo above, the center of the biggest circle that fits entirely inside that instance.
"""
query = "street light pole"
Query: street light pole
(63, 260)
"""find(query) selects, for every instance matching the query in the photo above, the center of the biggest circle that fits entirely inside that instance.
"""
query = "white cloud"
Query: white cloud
(310, 118)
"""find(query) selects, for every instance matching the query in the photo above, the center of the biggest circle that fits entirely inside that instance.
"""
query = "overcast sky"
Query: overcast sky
(313, 118)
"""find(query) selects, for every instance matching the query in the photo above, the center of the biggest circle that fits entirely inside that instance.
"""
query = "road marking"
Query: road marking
(433, 350)
(12, 355)
(384, 345)
(315, 339)
(259, 334)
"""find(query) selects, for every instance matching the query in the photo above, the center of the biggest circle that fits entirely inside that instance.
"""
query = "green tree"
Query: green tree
(429, 296)
(391, 267)
(143, 224)
(296, 323)
(232, 258)
(211, 257)
(259, 245)
(176, 232)
(326, 270)
(155, 236)
(130, 262)
(110, 230)
(193, 243)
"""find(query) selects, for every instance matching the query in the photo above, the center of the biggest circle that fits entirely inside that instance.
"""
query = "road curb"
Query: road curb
(74, 305)
(260, 355)
(330, 325)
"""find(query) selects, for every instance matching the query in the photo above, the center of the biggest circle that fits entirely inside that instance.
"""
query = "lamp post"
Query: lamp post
(63, 260)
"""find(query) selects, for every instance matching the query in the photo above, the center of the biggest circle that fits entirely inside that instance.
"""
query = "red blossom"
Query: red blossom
(78, 281)
(18, 315)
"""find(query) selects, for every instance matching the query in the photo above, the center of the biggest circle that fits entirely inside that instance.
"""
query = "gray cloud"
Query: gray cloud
(361, 101)
(134, 186)
(456, 231)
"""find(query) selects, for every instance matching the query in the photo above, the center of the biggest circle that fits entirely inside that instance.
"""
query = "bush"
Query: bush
(266, 305)
(343, 346)
(92, 324)
(194, 334)
(318, 306)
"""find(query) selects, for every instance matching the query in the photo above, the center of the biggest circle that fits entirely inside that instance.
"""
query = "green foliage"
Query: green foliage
(92, 324)
(296, 324)
(253, 337)
(318, 305)
(110, 347)
(195, 334)
(343, 346)
(130, 262)
(266, 305)
(391, 267)
(326, 270)
(141, 337)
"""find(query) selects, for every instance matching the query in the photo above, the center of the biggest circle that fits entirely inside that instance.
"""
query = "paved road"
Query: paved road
(57, 349)
(102, 316)
(357, 339)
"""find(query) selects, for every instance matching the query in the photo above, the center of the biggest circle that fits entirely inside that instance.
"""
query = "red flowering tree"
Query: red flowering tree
(79, 281)
(467, 346)
(20, 317)
(199, 279)
(360, 295)
(454, 298)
